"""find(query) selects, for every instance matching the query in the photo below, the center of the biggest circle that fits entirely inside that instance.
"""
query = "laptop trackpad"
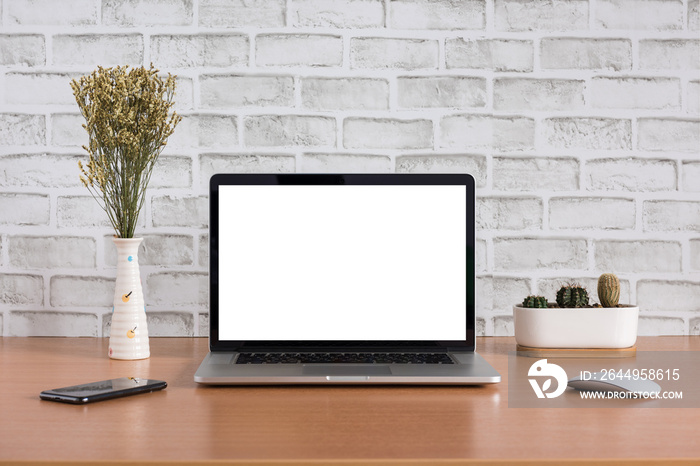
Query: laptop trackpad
(341, 370)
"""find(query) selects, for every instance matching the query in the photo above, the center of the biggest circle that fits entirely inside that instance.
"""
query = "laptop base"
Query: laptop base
(471, 369)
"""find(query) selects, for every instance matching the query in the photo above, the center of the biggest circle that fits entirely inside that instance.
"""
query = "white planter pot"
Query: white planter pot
(614, 327)
(129, 331)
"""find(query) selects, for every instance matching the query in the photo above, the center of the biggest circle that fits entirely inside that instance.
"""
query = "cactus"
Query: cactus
(535, 301)
(609, 290)
(572, 296)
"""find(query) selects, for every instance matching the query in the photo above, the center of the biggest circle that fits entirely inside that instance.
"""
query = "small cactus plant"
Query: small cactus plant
(609, 290)
(572, 296)
(535, 301)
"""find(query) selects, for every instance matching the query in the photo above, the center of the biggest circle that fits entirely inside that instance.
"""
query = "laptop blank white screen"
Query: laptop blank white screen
(329, 262)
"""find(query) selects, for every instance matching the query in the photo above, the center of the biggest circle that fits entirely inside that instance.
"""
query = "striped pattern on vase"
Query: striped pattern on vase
(129, 332)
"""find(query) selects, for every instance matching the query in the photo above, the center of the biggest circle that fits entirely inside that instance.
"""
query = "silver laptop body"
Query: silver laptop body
(342, 279)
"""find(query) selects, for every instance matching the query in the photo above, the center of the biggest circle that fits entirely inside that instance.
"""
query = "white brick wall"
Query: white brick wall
(562, 53)
(342, 14)
(25, 49)
(344, 94)
(225, 91)
(591, 213)
(345, 163)
(107, 49)
(489, 54)
(255, 14)
(298, 50)
(146, 12)
(202, 50)
(508, 213)
(516, 94)
(24, 88)
(595, 134)
(45, 12)
(579, 119)
(487, 133)
(669, 135)
(628, 174)
(441, 91)
(665, 54)
(76, 291)
(384, 133)
(648, 14)
(528, 254)
(437, 14)
(634, 256)
(289, 130)
(24, 209)
(636, 93)
(391, 53)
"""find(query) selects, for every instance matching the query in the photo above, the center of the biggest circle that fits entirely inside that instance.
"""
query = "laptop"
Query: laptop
(342, 279)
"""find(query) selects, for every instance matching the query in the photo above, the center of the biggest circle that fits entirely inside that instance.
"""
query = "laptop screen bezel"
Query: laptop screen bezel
(217, 180)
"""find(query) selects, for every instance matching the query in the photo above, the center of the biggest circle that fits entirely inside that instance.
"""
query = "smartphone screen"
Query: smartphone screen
(102, 390)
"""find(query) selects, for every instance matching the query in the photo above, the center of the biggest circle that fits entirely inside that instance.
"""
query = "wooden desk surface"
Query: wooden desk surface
(244, 425)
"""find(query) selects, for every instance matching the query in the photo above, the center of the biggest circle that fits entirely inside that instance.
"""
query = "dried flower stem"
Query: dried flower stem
(126, 114)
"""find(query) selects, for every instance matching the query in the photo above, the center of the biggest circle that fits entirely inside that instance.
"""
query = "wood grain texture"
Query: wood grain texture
(192, 424)
(529, 351)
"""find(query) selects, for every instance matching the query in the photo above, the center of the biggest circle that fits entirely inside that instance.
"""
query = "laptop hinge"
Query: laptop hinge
(301, 349)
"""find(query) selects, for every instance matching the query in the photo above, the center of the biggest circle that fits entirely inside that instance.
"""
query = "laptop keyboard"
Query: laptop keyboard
(343, 358)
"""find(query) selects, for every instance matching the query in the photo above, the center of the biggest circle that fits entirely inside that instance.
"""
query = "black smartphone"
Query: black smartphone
(102, 390)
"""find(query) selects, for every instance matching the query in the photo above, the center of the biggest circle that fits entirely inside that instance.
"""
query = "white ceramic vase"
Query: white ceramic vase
(576, 327)
(129, 333)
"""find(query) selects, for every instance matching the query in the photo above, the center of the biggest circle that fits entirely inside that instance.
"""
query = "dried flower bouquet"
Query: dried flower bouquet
(128, 120)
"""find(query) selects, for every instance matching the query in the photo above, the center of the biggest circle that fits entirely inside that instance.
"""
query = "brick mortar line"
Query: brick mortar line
(592, 154)
(490, 93)
(281, 151)
(661, 277)
(146, 52)
(587, 113)
(378, 32)
(684, 96)
(4, 253)
(631, 280)
(489, 177)
(189, 73)
(595, 234)
(490, 16)
(196, 94)
(386, 9)
(639, 215)
(339, 137)
(98, 313)
(195, 13)
(575, 234)
(429, 113)
(546, 228)
(346, 61)
(686, 258)
(585, 76)
(288, 14)
(442, 55)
